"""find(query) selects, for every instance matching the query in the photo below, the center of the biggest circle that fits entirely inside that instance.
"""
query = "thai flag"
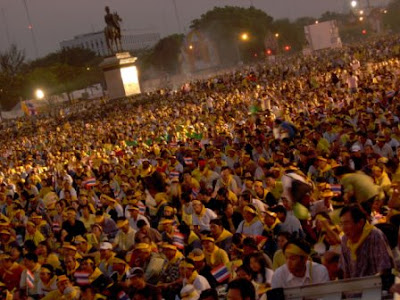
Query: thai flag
(89, 182)
(336, 188)
(188, 160)
(173, 145)
(390, 94)
(220, 273)
(82, 278)
(178, 240)
(30, 279)
(142, 208)
(173, 174)
(260, 239)
(56, 227)
(123, 296)
(195, 192)
(31, 108)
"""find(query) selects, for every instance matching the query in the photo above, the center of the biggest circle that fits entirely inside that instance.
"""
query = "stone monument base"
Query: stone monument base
(121, 75)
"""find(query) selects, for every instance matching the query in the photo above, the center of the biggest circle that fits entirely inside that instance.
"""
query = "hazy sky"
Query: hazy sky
(57, 20)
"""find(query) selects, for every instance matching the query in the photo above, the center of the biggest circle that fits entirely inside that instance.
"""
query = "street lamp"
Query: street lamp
(276, 35)
(353, 3)
(244, 36)
(361, 19)
(39, 94)
(190, 47)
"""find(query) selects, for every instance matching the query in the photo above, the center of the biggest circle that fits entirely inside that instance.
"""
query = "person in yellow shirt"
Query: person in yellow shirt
(33, 234)
(65, 290)
(214, 255)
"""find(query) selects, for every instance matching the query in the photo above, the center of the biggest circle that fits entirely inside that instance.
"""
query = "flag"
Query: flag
(195, 192)
(29, 108)
(173, 145)
(173, 174)
(30, 279)
(89, 182)
(220, 273)
(390, 94)
(82, 278)
(142, 208)
(56, 227)
(123, 296)
(188, 160)
(178, 240)
(336, 188)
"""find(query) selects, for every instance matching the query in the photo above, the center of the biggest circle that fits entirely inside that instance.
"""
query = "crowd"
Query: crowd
(274, 176)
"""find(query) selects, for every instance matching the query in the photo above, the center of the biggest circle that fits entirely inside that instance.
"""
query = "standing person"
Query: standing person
(365, 250)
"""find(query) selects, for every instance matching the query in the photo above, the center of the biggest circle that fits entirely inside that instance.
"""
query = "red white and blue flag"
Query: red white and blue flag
(142, 208)
(123, 296)
(30, 279)
(220, 273)
(336, 188)
(89, 182)
(174, 174)
(82, 278)
(188, 160)
(178, 240)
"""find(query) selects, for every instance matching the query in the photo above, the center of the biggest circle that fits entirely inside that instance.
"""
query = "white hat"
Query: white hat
(106, 246)
(355, 148)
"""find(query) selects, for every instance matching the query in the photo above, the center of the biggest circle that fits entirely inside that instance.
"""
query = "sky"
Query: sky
(57, 20)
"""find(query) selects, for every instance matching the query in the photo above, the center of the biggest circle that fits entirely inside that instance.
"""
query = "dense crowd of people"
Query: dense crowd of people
(273, 176)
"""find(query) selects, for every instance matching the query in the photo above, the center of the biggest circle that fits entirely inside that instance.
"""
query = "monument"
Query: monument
(120, 71)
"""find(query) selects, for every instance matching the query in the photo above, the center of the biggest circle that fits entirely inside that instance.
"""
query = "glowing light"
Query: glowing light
(39, 94)
(276, 35)
(385, 11)
(244, 36)
(269, 52)
(88, 69)
(287, 48)
(316, 22)
(361, 19)
(130, 79)
(30, 27)
(353, 3)
(361, 12)
(190, 47)
(364, 31)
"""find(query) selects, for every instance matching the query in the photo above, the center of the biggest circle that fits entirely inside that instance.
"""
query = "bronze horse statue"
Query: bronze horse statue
(112, 31)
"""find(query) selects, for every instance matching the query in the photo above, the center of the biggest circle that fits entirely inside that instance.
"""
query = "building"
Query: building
(95, 41)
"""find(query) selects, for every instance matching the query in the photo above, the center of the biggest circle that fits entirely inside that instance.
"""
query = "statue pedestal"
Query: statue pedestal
(121, 75)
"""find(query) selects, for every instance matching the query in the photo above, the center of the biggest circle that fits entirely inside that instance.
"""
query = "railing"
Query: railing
(366, 288)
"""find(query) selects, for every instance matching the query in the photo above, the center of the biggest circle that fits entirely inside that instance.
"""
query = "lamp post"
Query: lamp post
(243, 37)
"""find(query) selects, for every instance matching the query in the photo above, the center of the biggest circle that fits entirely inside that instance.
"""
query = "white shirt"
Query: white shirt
(315, 273)
(204, 222)
(256, 228)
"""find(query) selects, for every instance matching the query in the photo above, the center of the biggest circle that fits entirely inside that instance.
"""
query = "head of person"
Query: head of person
(197, 256)
(169, 250)
(63, 283)
(258, 263)
(88, 292)
(249, 245)
(330, 260)
(249, 213)
(70, 262)
(46, 273)
(270, 218)
(241, 289)
(30, 260)
(353, 219)
(71, 215)
(258, 187)
(281, 212)
(197, 206)
(342, 170)
(225, 173)
(186, 268)
(105, 250)
(142, 226)
(88, 265)
(282, 238)
(123, 225)
(208, 243)
(118, 265)
(245, 272)
(209, 294)
(216, 228)
(142, 251)
(296, 254)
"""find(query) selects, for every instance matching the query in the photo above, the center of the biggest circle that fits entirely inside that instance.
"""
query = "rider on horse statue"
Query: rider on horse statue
(112, 31)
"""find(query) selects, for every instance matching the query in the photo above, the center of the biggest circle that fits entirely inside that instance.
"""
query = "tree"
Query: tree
(166, 52)
(224, 26)
(11, 78)
(391, 19)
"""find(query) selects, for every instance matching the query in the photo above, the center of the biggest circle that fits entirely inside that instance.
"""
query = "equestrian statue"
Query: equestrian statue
(112, 31)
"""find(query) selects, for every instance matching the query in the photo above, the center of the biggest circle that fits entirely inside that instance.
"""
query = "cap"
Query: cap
(69, 247)
(106, 246)
(122, 223)
(79, 239)
(62, 278)
(135, 272)
(117, 260)
(355, 148)
(196, 255)
(166, 221)
(143, 247)
(169, 246)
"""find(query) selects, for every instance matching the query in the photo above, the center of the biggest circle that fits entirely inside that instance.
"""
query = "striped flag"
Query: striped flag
(220, 273)
(390, 94)
(142, 208)
(29, 108)
(123, 296)
(173, 145)
(30, 279)
(188, 160)
(56, 227)
(89, 182)
(178, 240)
(195, 192)
(173, 174)
(82, 278)
(336, 189)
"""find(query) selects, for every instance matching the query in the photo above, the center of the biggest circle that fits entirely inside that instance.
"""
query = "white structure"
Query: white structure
(96, 41)
(323, 35)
